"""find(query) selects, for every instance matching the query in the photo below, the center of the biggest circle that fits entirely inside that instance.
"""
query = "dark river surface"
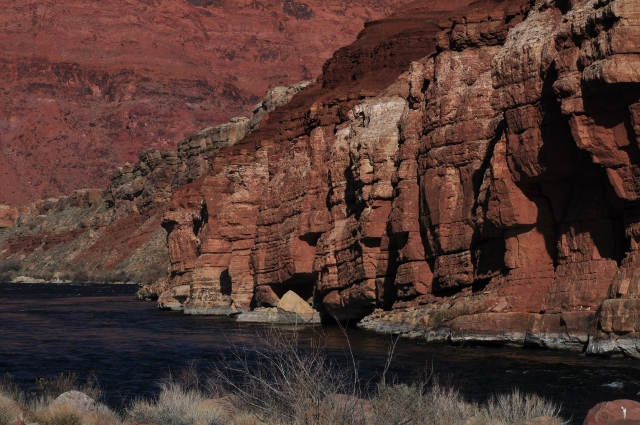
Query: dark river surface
(47, 329)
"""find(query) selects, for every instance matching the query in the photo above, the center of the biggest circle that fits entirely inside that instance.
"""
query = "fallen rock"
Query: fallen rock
(174, 298)
(292, 303)
(259, 315)
(614, 412)
(293, 309)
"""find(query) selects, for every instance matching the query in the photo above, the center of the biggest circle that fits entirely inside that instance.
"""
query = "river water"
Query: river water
(129, 345)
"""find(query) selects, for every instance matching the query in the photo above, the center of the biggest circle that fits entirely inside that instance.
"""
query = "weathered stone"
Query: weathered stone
(610, 412)
(8, 216)
(292, 303)
(77, 400)
(474, 181)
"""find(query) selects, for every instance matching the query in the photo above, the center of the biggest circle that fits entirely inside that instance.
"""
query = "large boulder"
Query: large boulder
(292, 308)
(76, 399)
(293, 303)
(614, 412)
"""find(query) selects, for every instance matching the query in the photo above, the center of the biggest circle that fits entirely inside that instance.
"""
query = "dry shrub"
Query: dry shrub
(176, 405)
(517, 407)
(58, 415)
(437, 405)
(420, 404)
(10, 265)
(50, 388)
(281, 382)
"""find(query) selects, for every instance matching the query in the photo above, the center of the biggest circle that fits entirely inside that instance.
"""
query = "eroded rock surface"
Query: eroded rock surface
(463, 172)
(482, 189)
(613, 412)
(87, 86)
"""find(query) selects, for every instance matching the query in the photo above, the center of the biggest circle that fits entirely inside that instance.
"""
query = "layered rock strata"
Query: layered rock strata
(115, 234)
(87, 86)
(252, 224)
(488, 194)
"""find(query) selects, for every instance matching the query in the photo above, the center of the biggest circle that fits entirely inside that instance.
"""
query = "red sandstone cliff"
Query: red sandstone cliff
(87, 85)
(485, 192)
(464, 171)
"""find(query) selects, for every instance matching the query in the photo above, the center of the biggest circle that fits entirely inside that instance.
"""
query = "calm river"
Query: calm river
(46, 329)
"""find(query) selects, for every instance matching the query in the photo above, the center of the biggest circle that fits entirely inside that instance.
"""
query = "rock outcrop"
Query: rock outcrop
(87, 86)
(8, 215)
(115, 234)
(464, 172)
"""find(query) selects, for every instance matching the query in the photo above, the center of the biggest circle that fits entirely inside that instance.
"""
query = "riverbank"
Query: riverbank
(290, 385)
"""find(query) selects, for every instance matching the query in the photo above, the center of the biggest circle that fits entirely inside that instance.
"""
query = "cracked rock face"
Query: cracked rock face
(464, 171)
(487, 193)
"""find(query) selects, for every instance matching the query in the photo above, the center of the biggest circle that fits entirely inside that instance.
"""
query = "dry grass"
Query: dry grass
(50, 388)
(58, 415)
(517, 407)
(279, 381)
(176, 405)
(9, 388)
(420, 404)
(437, 405)
(245, 419)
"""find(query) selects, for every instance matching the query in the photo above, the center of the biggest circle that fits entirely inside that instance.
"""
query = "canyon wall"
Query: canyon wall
(463, 172)
(114, 234)
(87, 86)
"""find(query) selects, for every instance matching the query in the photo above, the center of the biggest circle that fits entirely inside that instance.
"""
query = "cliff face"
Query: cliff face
(487, 194)
(464, 171)
(115, 234)
(88, 86)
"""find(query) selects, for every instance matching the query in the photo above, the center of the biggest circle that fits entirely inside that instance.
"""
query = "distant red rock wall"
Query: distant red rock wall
(115, 234)
(480, 183)
(86, 86)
